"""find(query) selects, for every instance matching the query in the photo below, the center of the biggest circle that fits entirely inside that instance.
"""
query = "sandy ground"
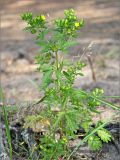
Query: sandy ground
(17, 48)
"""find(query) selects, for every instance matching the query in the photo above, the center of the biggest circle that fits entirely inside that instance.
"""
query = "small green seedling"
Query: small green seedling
(66, 108)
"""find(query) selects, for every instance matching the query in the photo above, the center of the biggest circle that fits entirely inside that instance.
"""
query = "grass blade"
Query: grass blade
(110, 96)
(6, 124)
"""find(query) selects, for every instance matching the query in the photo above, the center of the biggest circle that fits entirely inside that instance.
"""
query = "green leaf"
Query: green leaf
(86, 125)
(94, 142)
(47, 78)
(69, 44)
(100, 100)
(26, 16)
(66, 75)
(60, 117)
(41, 42)
(46, 67)
(82, 22)
(104, 135)
(72, 121)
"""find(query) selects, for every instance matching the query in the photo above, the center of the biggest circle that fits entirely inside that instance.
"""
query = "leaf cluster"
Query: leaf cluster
(95, 141)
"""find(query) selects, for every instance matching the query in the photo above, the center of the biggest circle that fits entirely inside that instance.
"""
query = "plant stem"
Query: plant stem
(57, 61)
(92, 68)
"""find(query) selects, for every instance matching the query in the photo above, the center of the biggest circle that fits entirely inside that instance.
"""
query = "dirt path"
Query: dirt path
(18, 49)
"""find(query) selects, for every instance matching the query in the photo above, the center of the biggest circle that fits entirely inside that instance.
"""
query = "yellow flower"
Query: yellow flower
(43, 17)
(77, 24)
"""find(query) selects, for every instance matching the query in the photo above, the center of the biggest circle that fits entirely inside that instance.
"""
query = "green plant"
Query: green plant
(66, 108)
(5, 114)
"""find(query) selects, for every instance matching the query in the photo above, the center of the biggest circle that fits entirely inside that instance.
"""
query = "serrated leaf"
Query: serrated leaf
(86, 125)
(71, 121)
(94, 143)
(104, 135)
